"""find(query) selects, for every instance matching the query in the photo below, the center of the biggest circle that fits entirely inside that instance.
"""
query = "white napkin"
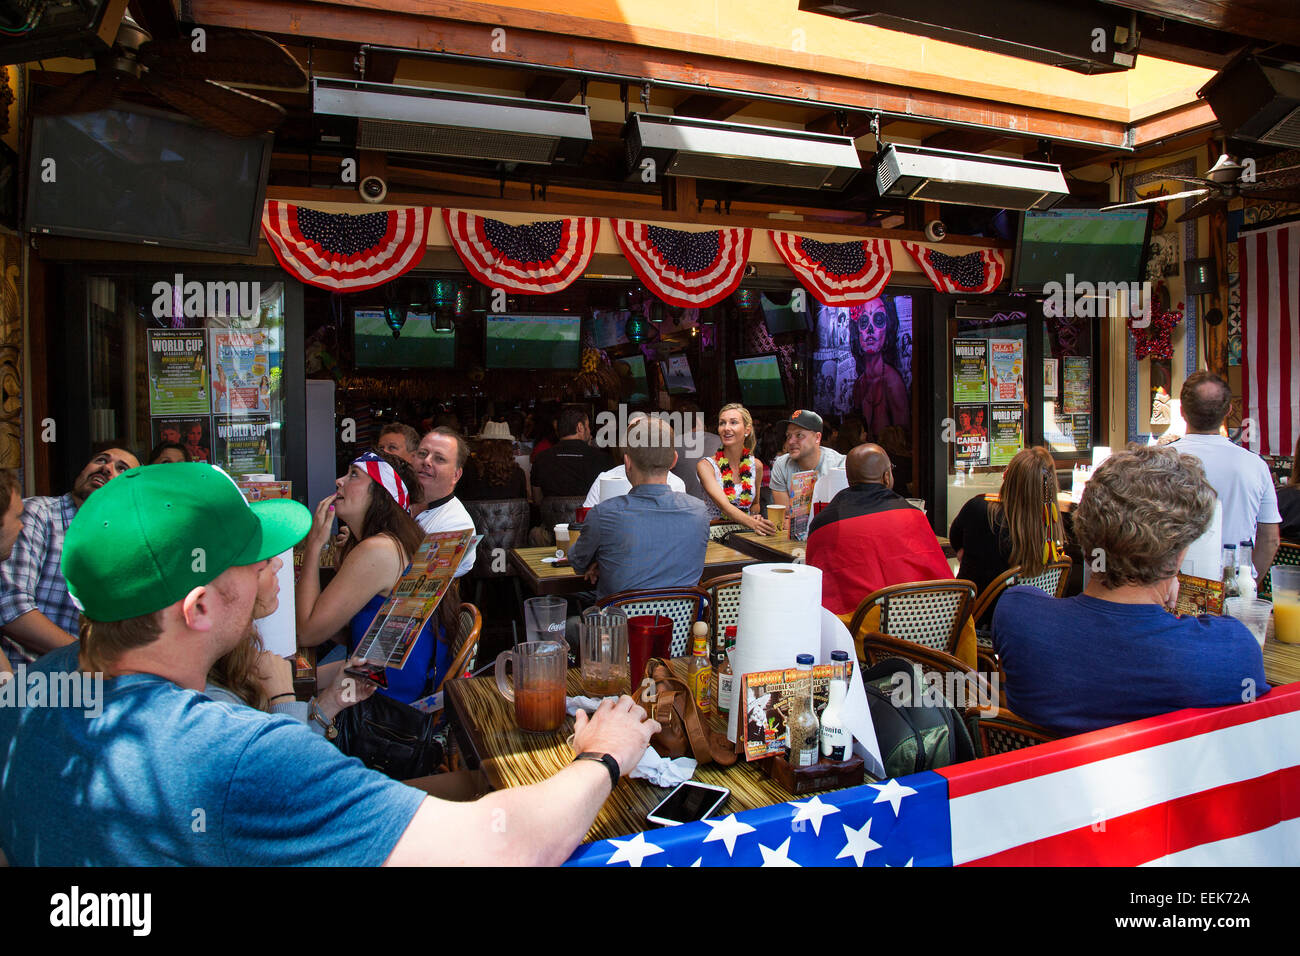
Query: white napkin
(573, 704)
(662, 771)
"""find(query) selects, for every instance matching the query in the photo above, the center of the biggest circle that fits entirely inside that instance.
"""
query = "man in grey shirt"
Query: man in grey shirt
(695, 444)
(804, 439)
(651, 537)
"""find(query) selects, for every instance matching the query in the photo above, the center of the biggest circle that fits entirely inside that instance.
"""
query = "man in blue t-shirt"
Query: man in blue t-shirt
(1115, 653)
(116, 757)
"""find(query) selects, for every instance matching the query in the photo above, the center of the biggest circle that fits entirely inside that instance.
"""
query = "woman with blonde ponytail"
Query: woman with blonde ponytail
(732, 477)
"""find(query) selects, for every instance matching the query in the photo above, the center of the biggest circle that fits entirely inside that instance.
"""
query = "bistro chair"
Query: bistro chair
(1054, 580)
(503, 522)
(718, 530)
(1288, 555)
(874, 647)
(560, 509)
(684, 605)
(1003, 731)
(464, 650)
(724, 603)
(929, 613)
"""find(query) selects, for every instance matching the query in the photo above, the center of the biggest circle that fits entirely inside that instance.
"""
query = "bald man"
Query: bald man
(868, 537)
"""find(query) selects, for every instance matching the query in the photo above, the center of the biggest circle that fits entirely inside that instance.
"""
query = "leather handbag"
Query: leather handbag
(669, 701)
(391, 737)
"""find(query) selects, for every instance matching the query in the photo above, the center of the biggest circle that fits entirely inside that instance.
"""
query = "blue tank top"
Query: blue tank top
(428, 658)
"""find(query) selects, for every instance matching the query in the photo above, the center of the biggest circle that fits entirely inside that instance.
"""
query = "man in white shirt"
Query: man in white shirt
(439, 463)
(619, 475)
(1239, 477)
(804, 439)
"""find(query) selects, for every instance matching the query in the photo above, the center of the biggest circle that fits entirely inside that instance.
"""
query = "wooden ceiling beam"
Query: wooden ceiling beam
(530, 43)
(556, 89)
(967, 140)
(706, 106)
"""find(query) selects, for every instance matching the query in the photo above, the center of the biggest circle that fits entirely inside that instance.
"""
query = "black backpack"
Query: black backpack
(914, 734)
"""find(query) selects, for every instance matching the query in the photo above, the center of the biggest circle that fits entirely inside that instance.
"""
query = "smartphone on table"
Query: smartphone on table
(689, 801)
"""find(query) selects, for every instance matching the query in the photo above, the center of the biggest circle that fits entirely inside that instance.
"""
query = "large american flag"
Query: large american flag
(837, 273)
(1270, 335)
(342, 252)
(1202, 787)
(686, 269)
(535, 258)
(977, 272)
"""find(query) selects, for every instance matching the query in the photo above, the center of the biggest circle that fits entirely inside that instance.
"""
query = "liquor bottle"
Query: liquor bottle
(726, 684)
(698, 676)
(837, 740)
(1246, 571)
(1230, 589)
(802, 730)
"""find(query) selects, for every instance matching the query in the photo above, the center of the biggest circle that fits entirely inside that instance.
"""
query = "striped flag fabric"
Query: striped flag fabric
(535, 258)
(691, 270)
(1270, 335)
(342, 252)
(977, 272)
(837, 273)
(1199, 787)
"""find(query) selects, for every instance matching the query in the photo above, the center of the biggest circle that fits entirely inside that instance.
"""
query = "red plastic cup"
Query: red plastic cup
(818, 506)
(580, 515)
(647, 636)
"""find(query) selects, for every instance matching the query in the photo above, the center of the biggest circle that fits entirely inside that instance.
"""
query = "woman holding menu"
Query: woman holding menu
(731, 479)
(372, 501)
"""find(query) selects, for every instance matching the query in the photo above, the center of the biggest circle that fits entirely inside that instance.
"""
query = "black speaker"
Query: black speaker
(1202, 276)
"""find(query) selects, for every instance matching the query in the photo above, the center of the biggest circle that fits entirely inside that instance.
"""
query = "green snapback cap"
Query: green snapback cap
(153, 534)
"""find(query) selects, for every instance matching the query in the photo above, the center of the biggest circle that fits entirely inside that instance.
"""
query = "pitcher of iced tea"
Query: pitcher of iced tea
(538, 691)
(603, 633)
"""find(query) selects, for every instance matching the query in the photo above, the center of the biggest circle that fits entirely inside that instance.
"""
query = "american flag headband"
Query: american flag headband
(383, 474)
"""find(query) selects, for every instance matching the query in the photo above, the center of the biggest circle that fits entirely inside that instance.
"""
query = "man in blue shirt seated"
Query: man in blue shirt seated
(123, 760)
(652, 537)
(1115, 653)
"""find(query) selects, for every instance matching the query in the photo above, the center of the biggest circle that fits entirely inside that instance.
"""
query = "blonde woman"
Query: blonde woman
(731, 479)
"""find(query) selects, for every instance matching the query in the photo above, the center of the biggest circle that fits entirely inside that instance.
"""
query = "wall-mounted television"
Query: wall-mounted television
(760, 381)
(416, 346)
(1088, 244)
(131, 174)
(640, 384)
(676, 371)
(779, 316)
(533, 341)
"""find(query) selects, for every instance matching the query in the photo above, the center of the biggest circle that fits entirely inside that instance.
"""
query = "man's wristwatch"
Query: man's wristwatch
(314, 715)
(608, 760)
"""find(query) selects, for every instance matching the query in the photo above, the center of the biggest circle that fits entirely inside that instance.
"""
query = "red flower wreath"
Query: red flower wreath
(745, 498)
(1156, 339)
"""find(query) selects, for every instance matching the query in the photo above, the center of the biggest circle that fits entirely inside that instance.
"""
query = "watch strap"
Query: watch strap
(608, 760)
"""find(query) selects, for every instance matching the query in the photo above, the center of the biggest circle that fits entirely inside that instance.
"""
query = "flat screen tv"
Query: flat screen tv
(533, 341)
(760, 381)
(640, 385)
(131, 174)
(418, 345)
(1091, 245)
(778, 315)
(678, 380)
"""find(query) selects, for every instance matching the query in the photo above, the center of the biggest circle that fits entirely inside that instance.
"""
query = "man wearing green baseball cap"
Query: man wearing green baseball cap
(165, 562)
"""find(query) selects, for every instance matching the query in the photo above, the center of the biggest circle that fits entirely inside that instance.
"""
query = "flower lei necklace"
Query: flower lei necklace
(745, 496)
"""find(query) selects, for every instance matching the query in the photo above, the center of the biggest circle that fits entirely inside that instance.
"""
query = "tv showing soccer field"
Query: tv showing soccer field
(416, 345)
(760, 381)
(533, 341)
(1088, 244)
(678, 380)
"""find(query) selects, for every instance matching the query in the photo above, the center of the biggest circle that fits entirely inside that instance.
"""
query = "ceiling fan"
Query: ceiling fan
(189, 81)
(1222, 183)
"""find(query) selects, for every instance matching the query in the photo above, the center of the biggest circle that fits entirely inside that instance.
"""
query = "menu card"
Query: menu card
(769, 695)
(799, 513)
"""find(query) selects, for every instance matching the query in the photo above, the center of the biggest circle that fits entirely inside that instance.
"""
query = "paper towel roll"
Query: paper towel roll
(780, 618)
(613, 487)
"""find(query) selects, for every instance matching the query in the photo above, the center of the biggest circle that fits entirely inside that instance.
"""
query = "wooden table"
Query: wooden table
(779, 547)
(547, 579)
(510, 757)
(1281, 661)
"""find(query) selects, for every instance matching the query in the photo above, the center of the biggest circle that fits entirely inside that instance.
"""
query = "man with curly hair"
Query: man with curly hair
(1116, 653)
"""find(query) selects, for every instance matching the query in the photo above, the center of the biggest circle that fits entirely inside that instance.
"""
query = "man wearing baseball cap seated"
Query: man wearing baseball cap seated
(164, 561)
(803, 437)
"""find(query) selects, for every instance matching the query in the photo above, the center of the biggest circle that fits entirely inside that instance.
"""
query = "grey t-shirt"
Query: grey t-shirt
(784, 467)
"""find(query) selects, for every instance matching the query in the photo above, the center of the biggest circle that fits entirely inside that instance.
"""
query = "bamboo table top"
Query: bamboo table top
(510, 757)
(1281, 661)
(779, 547)
(547, 579)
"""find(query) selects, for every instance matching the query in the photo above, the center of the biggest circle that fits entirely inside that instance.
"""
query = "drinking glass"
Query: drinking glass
(538, 691)
(544, 618)
(1286, 604)
(603, 633)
